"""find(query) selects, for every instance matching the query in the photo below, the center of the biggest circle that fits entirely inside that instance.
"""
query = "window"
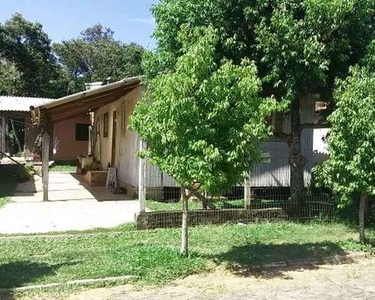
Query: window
(82, 132)
(105, 124)
(123, 118)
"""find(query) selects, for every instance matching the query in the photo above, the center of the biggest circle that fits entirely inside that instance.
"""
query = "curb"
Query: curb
(81, 282)
(335, 259)
(60, 235)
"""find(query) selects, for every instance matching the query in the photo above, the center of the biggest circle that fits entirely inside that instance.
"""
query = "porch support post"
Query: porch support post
(142, 180)
(2, 135)
(45, 160)
(247, 191)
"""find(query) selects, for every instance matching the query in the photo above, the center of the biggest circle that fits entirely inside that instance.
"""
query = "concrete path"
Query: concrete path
(72, 206)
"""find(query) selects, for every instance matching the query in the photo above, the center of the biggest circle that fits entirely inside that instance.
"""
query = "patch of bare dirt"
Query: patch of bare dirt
(354, 280)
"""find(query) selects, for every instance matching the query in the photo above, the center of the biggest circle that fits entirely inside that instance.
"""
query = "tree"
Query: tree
(299, 47)
(9, 78)
(26, 49)
(351, 140)
(97, 56)
(204, 121)
(97, 33)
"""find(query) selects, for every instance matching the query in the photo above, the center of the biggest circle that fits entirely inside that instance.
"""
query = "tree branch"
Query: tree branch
(200, 197)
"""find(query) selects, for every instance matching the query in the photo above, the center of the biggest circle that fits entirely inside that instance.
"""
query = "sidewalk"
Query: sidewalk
(72, 206)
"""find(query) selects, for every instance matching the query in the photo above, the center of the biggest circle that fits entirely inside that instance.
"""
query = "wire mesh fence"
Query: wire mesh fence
(266, 203)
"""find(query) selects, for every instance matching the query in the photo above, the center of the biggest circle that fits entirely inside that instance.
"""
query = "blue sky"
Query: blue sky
(65, 19)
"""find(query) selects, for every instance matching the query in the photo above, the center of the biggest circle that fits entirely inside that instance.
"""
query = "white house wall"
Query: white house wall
(127, 142)
(276, 173)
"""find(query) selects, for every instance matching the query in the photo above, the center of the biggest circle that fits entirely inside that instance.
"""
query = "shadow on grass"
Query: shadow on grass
(8, 179)
(21, 273)
(272, 260)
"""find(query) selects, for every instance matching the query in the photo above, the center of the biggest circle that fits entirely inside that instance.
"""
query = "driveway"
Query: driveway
(72, 206)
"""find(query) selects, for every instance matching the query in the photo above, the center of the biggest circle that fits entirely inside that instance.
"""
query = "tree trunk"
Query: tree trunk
(184, 227)
(362, 208)
(296, 160)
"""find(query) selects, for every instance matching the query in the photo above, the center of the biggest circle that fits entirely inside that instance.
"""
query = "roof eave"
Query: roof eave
(73, 97)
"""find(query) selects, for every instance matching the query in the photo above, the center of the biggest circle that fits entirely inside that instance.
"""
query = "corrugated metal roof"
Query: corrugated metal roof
(14, 103)
(85, 94)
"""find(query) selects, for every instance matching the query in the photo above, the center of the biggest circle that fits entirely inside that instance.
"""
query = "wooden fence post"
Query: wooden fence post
(142, 180)
(362, 208)
(45, 162)
(184, 226)
(247, 191)
(2, 135)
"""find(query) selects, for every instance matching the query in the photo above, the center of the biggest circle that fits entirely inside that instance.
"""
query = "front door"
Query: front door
(114, 133)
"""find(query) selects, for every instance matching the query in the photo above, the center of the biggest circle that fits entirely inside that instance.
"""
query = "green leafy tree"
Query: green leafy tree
(298, 46)
(204, 121)
(25, 50)
(97, 33)
(97, 56)
(9, 78)
(351, 140)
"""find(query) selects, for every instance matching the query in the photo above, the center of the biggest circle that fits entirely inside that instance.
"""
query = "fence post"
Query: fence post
(247, 191)
(45, 163)
(185, 222)
(2, 136)
(362, 208)
(142, 180)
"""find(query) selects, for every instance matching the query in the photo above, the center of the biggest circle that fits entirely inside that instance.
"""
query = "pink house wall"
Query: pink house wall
(65, 146)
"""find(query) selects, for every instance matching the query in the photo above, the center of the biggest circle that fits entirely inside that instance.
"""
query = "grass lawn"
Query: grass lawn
(8, 182)
(66, 168)
(154, 257)
(220, 204)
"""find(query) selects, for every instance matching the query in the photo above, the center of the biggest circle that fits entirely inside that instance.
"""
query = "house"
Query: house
(69, 138)
(112, 144)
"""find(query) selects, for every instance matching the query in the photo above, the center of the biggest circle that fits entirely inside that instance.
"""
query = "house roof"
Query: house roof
(13, 103)
(82, 102)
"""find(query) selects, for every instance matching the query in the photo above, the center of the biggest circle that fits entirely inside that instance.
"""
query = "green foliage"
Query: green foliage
(30, 67)
(26, 50)
(26, 173)
(352, 137)
(167, 206)
(299, 46)
(97, 33)
(9, 77)
(97, 56)
(63, 168)
(204, 122)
